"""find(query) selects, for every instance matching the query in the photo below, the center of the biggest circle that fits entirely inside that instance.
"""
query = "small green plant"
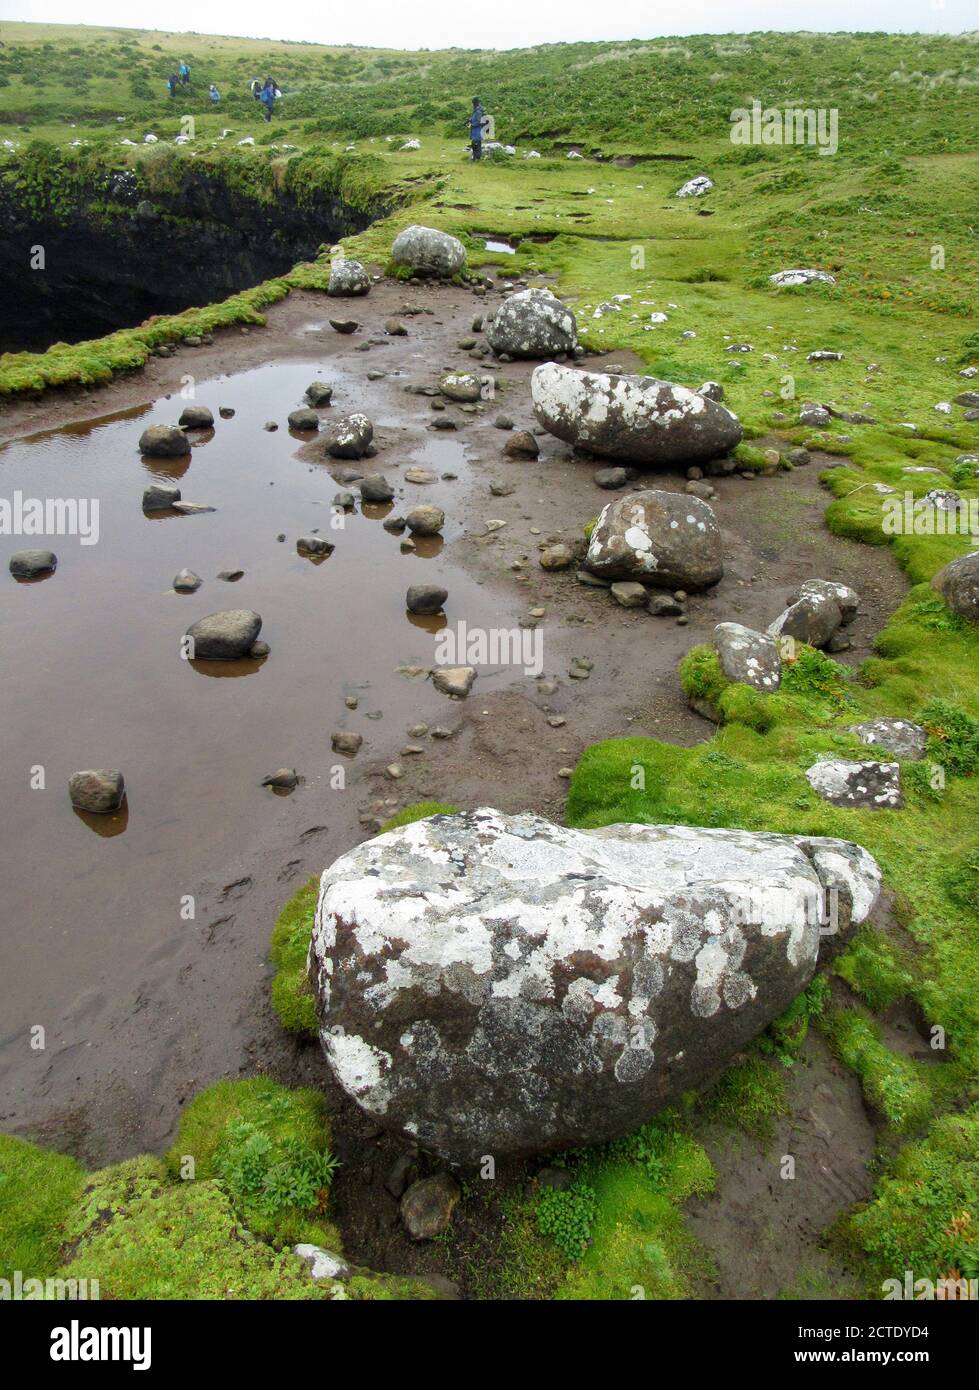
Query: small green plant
(273, 1177)
(567, 1217)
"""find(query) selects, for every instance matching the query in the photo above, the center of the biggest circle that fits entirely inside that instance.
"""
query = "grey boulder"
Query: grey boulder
(425, 598)
(164, 441)
(532, 323)
(958, 584)
(491, 984)
(819, 609)
(665, 539)
(635, 418)
(196, 417)
(350, 437)
(749, 657)
(224, 636)
(348, 278)
(428, 251)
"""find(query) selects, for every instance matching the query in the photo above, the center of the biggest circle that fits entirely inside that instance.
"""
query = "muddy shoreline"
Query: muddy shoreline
(153, 1014)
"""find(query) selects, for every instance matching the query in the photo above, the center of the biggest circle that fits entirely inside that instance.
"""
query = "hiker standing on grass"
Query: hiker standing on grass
(267, 97)
(184, 73)
(172, 84)
(214, 94)
(477, 118)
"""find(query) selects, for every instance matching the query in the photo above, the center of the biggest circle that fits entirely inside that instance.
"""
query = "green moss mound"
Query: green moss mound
(37, 1190)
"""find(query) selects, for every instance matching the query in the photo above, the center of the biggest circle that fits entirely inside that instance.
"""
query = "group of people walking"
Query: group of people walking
(266, 92)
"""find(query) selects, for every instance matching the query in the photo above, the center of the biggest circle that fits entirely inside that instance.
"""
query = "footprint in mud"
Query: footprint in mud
(313, 830)
(288, 870)
(238, 889)
(213, 927)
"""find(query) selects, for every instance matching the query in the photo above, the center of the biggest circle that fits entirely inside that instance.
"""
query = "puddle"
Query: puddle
(504, 246)
(93, 675)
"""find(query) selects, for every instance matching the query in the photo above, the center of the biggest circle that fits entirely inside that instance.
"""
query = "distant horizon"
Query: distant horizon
(509, 25)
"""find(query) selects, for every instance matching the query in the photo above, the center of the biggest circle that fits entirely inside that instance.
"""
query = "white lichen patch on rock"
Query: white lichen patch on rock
(495, 984)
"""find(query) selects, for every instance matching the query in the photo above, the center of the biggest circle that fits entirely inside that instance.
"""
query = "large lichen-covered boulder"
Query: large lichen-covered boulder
(636, 418)
(666, 539)
(532, 323)
(428, 251)
(491, 984)
(958, 584)
(348, 278)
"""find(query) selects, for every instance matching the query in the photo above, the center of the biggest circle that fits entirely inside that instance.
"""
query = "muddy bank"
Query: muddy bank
(142, 1006)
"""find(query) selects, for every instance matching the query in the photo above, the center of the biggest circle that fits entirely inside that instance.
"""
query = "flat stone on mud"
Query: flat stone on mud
(314, 545)
(343, 741)
(456, 681)
(636, 418)
(164, 441)
(629, 594)
(224, 636)
(160, 497)
(492, 984)
(556, 557)
(521, 445)
(876, 786)
(427, 1206)
(319, 393)
(29, 564)
(611, 479)
(461, 386)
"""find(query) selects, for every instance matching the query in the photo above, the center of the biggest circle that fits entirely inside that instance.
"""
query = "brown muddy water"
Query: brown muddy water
(93, 677)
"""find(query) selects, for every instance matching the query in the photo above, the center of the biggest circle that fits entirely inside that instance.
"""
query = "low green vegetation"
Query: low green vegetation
(248, 1176)
(38, 1188)
(292, 995)
(269, 1148)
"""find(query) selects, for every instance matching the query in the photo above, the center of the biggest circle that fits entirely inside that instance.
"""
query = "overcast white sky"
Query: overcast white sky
(501, 23)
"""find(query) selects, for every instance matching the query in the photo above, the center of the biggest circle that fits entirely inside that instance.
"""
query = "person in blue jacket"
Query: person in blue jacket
(477, 116)
(214, 94)
(184, 74)
(267, 97)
